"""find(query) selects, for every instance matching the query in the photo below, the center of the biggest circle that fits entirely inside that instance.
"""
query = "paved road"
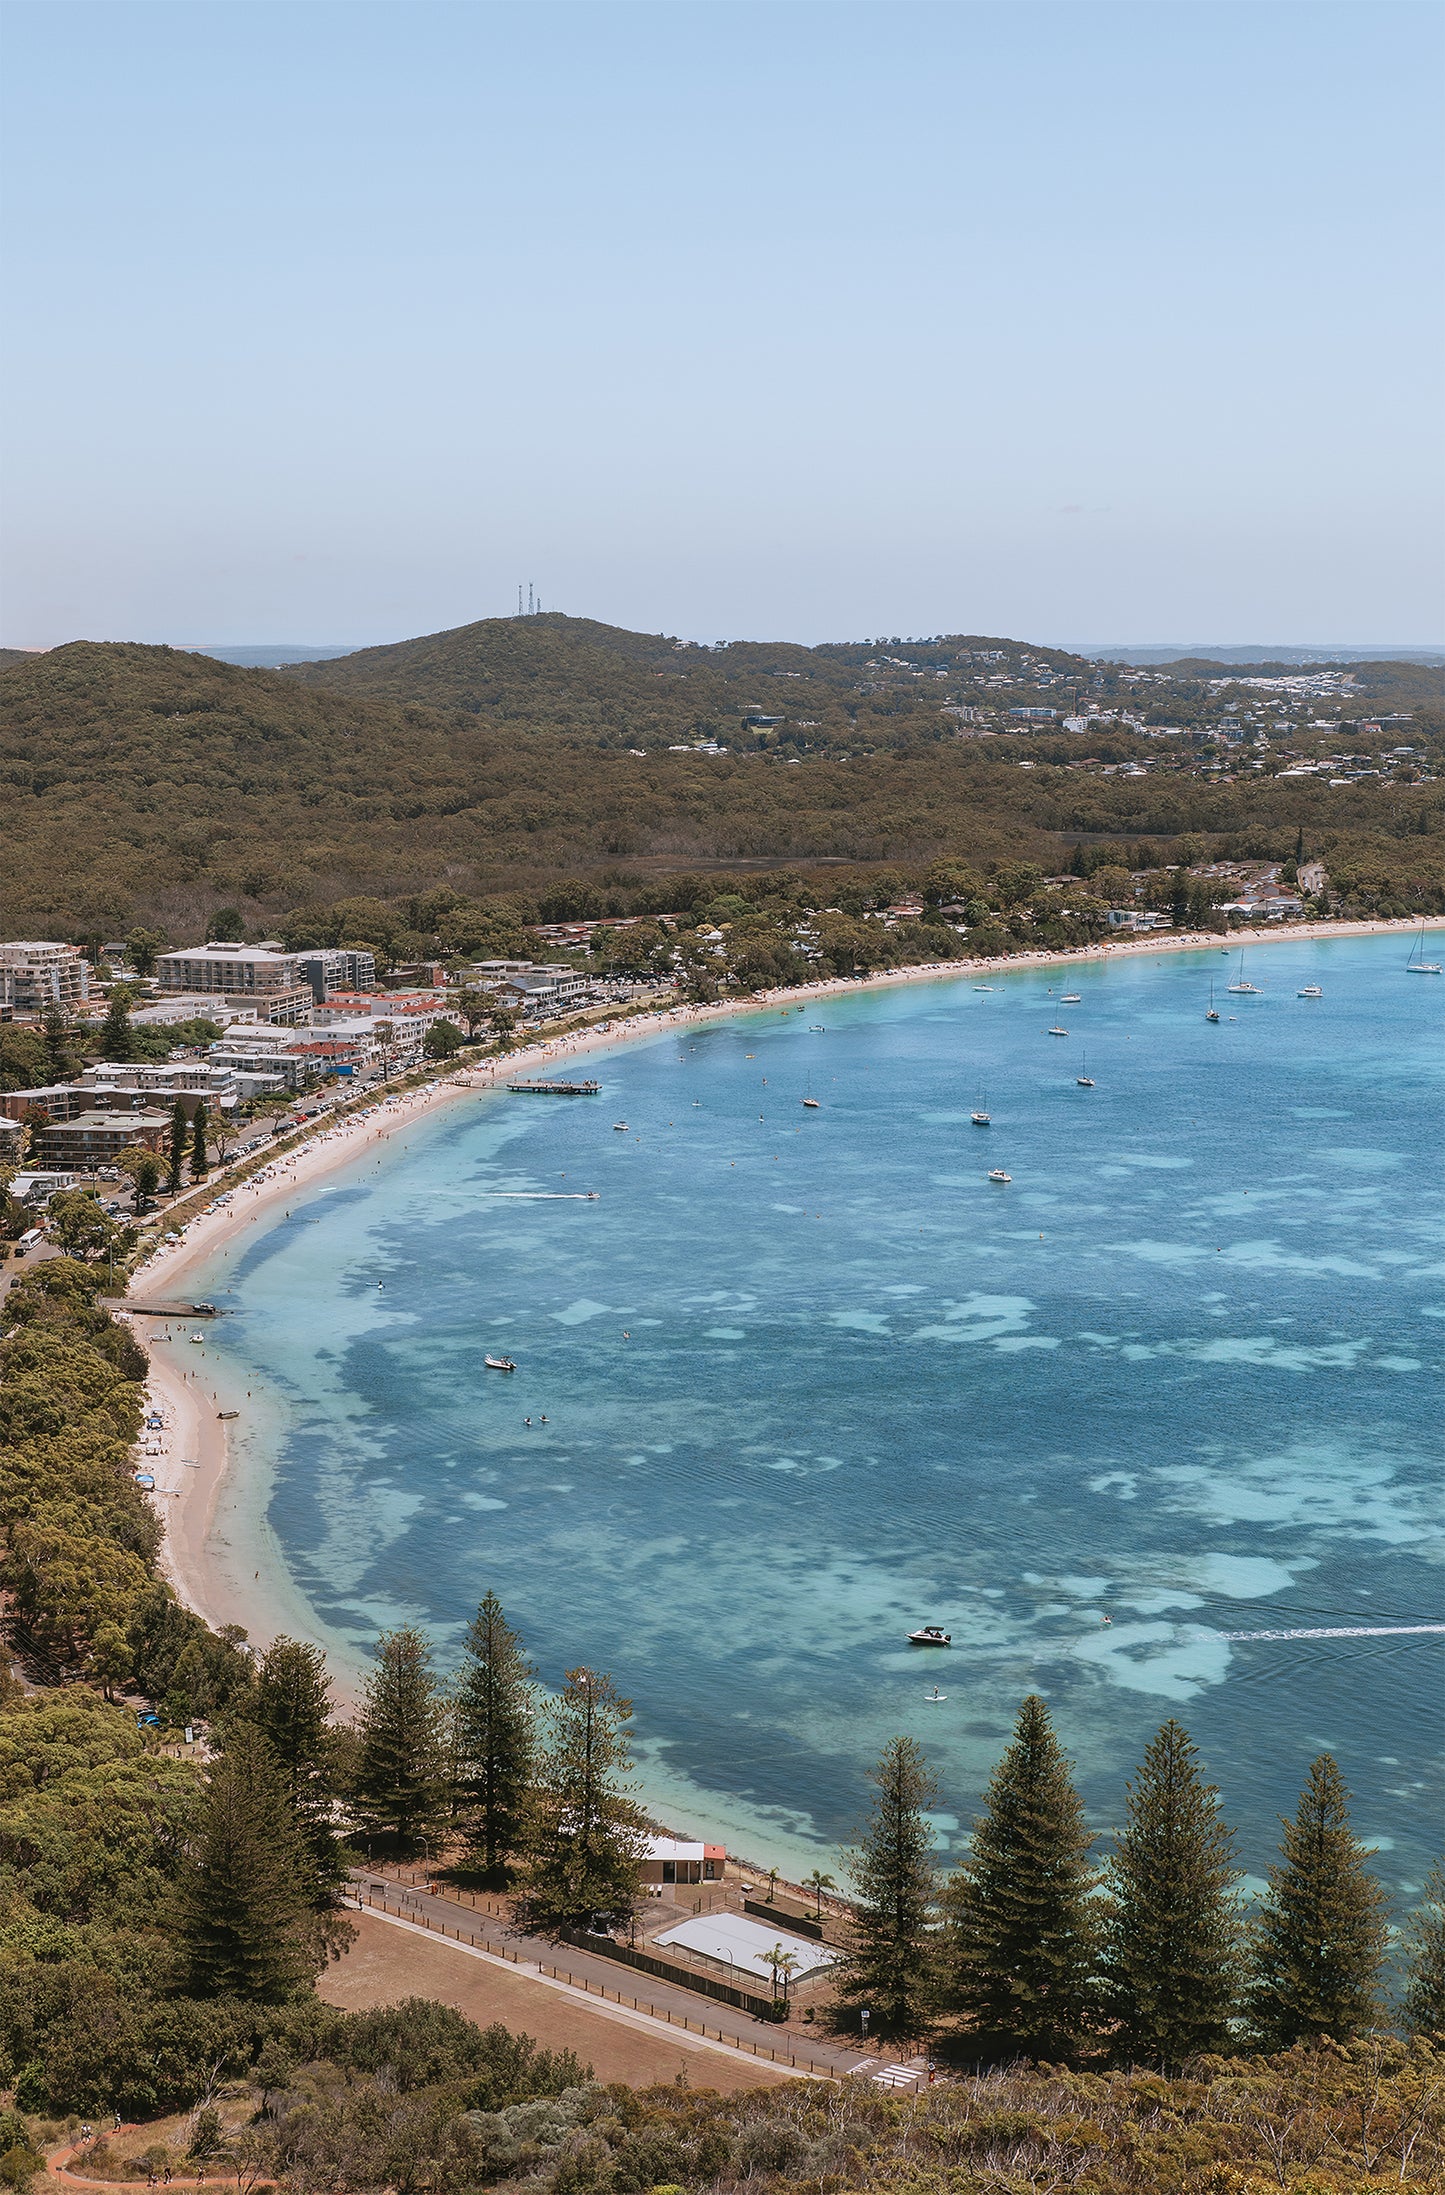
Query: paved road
(653, 1995)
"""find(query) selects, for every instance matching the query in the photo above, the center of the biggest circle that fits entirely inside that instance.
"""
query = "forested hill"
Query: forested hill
(141, 784)
(599, 682)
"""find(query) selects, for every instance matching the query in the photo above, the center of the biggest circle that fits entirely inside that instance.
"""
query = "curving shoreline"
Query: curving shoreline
(224, 1563)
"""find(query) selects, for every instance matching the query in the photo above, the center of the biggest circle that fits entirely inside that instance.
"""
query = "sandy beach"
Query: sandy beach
(231, 1572)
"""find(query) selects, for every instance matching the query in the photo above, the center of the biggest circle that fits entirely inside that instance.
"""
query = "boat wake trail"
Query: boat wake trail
(1349, 1631)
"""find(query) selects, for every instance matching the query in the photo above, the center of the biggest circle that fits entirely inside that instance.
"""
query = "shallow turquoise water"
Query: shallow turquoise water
(1183, 1370)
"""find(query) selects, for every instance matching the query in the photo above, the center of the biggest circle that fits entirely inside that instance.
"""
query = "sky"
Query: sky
(331, 323)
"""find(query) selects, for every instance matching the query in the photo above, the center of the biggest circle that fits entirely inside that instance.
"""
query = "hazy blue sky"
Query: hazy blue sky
(330, 322)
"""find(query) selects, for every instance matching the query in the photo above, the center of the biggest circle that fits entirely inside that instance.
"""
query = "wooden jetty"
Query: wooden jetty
(166, 1310)
(554, 1089)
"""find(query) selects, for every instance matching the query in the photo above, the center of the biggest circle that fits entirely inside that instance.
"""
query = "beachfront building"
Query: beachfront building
(547, 988)
(676, 1860)
(265, 977)
(123, 1087)
(264, 1061)
(36, 973)
(163, 1013)
(337, 968)
(89, 1140)
(37, 1188)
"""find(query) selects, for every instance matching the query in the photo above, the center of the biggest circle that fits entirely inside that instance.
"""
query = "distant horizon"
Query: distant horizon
(1170, 650)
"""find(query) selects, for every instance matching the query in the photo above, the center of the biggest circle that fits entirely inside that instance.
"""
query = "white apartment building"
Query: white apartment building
(36, 973)
(264, 976)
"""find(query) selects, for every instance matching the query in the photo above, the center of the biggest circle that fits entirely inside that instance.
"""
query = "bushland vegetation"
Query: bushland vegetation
(143, 788)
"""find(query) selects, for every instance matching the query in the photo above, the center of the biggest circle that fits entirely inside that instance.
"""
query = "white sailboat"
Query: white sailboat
(1250, 989)
(1213, 1012)
(1083, 1078)
(1422, 966)
(980, 1115)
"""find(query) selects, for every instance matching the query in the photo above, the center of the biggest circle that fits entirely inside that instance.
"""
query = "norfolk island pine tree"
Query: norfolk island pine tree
(291, 1706)
(1020, 1943)
(400, 1790)
(1318, 1943)
(891, 1960)
(587, 1844)
(1424, 2004)
(1171, 1940)
(495, 1716)
(247, 1923)
(180, 1133)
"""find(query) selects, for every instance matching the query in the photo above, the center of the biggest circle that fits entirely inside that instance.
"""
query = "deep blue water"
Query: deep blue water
(1182, 1370)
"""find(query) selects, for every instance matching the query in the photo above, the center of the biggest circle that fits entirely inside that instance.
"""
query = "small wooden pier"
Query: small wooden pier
(554, 1089)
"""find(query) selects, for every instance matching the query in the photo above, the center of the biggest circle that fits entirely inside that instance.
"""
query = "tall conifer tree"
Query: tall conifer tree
(291, 1706)
(1319, 1941)
(494, 1740)
(1173, 1934)
(891, 1965)
(117, 1043)
(180, 1136)
(589, 1834)
(1021, 1933)
(1424, 2006)
(246, 1922)
(200, 1164)
(401, 1784)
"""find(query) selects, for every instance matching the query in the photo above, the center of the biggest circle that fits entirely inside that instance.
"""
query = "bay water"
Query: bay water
(801, 1378)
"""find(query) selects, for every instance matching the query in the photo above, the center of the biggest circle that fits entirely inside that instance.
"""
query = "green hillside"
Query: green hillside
(145, 784)
(600, 683)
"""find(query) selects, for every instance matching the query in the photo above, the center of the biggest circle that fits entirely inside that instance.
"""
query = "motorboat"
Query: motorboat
(619, 1127)
(228, 1413)
(996, 1173)
(815, 1028)
(930, 1634)
(1311, 990)
(1071, 998)
(499, 1364)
